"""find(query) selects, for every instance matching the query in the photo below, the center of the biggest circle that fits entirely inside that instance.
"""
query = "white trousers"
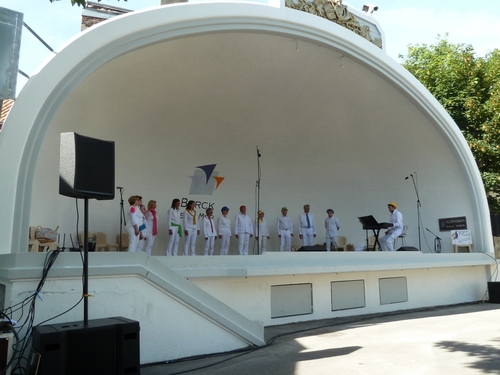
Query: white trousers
(285, 240)
(150, 240)
(190, 241)
(262, 244)
(387, 242)
(243, 240)
(133, 240)
(307, 237)
(224, 241)
(209, 246)
(173, 243)
(331, 241)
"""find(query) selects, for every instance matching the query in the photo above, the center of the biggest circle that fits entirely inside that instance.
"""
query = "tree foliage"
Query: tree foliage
(468, 87)
(79, 2)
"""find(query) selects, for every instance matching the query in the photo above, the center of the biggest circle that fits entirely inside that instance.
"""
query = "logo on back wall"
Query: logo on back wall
(205, 180)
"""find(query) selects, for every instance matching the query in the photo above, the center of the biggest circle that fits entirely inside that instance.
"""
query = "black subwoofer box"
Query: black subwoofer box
(494, 291)
(407, 248)
(106, 346)
(312, 248)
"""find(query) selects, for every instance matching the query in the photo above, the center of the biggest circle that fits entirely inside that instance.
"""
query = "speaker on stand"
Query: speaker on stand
(86, 170)
(102, 346)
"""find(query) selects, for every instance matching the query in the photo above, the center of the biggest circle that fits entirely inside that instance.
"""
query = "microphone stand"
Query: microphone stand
(415, 185)
(258, 200)
(437, 242)
(122, 218)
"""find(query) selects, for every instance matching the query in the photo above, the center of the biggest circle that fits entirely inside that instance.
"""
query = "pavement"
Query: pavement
(459, 339)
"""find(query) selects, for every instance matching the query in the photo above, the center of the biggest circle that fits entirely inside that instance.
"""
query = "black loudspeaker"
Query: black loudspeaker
(407, 248)
(495, 225)
(494, 291)
(87, 167)
(312, 248)
(104, 346)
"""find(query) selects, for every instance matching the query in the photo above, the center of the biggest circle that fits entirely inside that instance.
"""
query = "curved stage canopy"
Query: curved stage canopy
(338, 124)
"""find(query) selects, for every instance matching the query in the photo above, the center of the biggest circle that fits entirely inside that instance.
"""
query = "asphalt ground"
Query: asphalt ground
(459, 339)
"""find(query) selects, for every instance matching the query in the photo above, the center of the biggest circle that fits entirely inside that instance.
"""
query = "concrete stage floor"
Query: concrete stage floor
(460, 339)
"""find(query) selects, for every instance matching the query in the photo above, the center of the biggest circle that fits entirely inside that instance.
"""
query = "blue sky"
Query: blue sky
(403, 22)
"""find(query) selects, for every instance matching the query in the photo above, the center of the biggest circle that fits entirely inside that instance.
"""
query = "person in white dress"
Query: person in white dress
(174, 227)
(191, 229)
(262, 234)
(224, 230)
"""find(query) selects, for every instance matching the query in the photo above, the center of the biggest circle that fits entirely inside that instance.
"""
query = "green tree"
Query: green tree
(468, 87)
(79, 2)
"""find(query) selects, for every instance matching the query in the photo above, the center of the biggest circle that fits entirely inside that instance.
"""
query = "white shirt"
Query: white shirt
(243, 224)
(332, 225)
(209, 228)
(283, 223)
(397, 221)
(134, 217)
(174, 216)
(188, 220)
(263, 230)
(303, 222)
(223, 223)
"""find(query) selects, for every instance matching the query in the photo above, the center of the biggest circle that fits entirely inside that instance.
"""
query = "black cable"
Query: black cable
(21, 345)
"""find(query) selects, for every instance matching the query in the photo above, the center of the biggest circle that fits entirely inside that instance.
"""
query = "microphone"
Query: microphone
(407, 177)
(258, 152)
(119, 187)
(427, 229)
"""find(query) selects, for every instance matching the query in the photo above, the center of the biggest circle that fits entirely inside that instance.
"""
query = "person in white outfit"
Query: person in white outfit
(152, 225)
(191, 228)
(387, 242)
(243, 230)
(285, 230)
(133, 223)
(224, 230)
(210, 232)
(262, 234)
(307, 228)
(143, 228)
(174, 227)
(332, 225)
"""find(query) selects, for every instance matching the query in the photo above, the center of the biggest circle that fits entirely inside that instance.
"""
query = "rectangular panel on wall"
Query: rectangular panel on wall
(290, 300)
(393, 290)
(349, 294)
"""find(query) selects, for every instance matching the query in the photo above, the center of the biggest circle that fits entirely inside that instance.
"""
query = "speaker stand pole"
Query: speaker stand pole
(86, 262)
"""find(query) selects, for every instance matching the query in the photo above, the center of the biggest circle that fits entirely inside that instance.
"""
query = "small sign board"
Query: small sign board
(461, 237)
(451, 223)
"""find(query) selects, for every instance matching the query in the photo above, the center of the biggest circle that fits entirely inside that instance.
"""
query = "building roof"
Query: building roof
(5, 108)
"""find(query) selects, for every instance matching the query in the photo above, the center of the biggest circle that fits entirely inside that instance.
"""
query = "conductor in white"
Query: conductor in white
(307, 229)
(387, 242)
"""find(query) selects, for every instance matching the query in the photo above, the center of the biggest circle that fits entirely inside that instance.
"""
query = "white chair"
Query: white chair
(341, 243)
(125, 241)
(401, 237)
(33, 243)
(102, 243)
